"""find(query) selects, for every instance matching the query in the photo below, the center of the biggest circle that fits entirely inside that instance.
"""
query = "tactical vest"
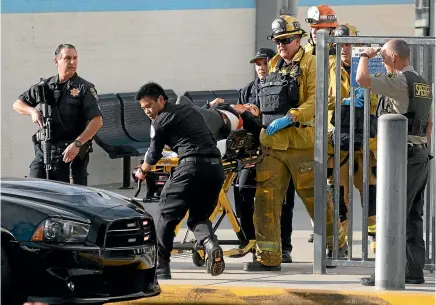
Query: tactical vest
(420, 99)
(279, 92)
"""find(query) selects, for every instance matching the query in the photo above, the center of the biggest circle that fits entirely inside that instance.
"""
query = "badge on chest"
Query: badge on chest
(74, 92)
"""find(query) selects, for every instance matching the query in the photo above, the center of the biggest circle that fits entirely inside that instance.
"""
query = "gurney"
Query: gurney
(239, 150)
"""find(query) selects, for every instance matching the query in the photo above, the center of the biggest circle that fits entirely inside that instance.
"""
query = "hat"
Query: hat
(321, 16)
(263, 53)
(346, 30)
(286, 26)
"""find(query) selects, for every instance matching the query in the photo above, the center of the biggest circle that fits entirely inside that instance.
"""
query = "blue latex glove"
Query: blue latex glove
(358, 98)
(278, 124)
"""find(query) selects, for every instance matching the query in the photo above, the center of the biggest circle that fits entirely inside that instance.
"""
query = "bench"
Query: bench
(200, 98)
(229, 96)
(135, 121)
(126, 128)
(113, 137)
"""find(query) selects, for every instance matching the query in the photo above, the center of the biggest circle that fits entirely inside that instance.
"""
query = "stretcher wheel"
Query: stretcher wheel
(197, 259)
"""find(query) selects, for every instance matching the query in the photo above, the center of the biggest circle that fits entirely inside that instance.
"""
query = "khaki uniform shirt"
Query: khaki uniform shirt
(395, 88)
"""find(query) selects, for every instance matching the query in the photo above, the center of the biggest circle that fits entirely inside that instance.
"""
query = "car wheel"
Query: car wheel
(8, 292)
(6, 275)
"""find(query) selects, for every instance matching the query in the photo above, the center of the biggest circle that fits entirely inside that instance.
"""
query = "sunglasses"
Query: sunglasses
(284, 41)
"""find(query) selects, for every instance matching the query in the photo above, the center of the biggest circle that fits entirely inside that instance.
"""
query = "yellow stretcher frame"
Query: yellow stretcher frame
(223, 209)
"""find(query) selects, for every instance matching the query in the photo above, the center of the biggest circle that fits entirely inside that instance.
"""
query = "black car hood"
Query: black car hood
(64, 200)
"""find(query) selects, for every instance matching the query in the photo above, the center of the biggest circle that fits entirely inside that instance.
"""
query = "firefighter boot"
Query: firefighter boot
(214, 256)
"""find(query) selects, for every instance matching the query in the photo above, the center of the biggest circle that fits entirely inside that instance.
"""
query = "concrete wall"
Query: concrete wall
(184, 45)
(371, 17)
(204, 47)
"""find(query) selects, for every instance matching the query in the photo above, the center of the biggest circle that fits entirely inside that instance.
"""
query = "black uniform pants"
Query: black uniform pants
(417, 173)
(244, 204)
(60, 170)
(193, 186)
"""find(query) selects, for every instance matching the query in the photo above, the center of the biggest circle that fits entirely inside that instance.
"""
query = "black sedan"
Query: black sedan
(67, 244)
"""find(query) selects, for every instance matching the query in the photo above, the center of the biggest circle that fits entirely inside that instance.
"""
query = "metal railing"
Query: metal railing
(424, 64)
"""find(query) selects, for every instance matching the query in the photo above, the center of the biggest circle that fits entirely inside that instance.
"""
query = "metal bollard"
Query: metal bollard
(391, 202)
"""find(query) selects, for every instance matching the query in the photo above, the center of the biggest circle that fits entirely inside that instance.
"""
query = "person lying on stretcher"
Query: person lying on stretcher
(221, 118)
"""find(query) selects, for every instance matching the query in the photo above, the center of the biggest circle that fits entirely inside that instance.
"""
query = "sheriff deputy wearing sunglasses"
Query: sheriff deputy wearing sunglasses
(287, 104)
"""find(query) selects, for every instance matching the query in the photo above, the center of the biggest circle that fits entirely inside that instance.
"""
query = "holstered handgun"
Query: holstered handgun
(84, 149)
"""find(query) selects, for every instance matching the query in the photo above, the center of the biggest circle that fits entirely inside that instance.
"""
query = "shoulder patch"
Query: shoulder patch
(93, 92)
(422, 90)
(377, 74)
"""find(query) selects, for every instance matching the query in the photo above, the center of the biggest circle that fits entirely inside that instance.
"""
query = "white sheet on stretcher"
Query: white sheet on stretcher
(221, 145)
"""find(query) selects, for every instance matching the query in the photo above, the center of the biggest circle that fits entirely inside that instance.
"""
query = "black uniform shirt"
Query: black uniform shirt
(183, 129)
(248, 94)
(77, 105)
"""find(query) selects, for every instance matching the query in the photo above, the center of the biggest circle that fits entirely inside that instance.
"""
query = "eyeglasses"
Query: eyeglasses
(284, 41)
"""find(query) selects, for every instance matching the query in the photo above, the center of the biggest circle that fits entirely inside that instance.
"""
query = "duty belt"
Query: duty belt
(200, 160)
(417, 145)
(60, 145)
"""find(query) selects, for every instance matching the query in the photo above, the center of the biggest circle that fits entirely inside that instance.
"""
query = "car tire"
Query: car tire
(8, 292)
(6, 277)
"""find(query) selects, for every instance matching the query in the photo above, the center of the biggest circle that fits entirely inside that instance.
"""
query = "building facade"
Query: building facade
(183, 45)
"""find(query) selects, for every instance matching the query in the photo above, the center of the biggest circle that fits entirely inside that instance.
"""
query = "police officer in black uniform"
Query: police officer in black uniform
(409, 94)
(75, 117)
(245, 193)
(193, 185)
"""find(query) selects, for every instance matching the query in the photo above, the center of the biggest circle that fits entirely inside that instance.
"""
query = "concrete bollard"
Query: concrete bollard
(391, 202)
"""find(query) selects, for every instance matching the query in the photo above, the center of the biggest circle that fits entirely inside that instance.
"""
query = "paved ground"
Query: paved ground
(235, 286)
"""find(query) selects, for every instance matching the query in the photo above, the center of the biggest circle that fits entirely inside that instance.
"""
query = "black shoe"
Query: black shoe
(214, 257)
(368, 281)
(416, 280)
(286, 256)
(342, 252)
(163, 272)
(256, 266)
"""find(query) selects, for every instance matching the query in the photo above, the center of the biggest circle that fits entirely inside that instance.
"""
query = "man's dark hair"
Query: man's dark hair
(152, 90)
(63, 46)
(401, 48)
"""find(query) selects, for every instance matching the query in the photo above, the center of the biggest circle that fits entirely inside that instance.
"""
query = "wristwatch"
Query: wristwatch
(77, 143)
(142, 171)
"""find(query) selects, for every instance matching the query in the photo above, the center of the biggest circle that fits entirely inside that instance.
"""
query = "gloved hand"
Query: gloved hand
(358, 98)
(137, 174)
(278, 124)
